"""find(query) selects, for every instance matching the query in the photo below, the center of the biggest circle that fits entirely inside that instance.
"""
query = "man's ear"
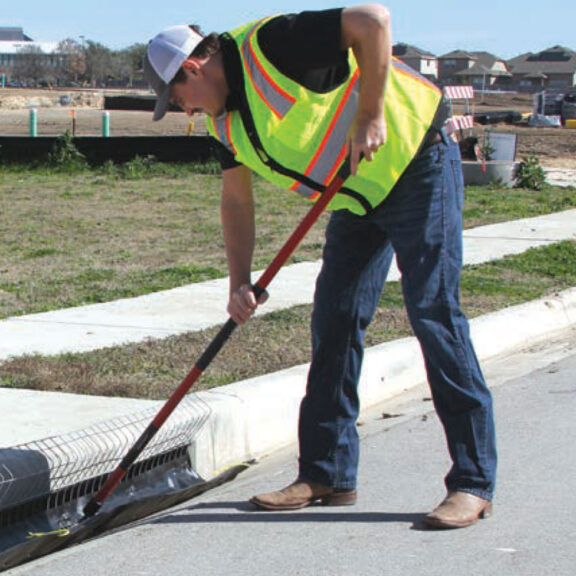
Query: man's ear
(192, 65)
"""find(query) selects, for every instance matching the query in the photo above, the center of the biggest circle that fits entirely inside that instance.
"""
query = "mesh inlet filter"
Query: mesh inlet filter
(39, 468)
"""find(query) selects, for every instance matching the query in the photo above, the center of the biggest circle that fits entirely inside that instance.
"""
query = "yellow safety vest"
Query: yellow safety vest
(296, 138)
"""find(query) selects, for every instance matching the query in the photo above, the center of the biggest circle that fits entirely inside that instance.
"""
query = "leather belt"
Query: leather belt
(433, 136)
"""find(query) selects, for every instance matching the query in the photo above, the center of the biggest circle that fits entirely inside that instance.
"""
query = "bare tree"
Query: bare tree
(98, 63)
(129, 63)
(74, 62)
(30, 65)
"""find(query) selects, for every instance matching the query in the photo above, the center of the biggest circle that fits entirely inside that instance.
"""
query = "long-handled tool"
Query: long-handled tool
(95, 503)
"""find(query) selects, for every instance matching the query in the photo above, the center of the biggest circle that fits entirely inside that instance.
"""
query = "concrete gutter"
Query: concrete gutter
(256, 417)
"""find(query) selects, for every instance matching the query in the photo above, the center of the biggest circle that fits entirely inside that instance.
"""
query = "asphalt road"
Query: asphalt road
(403, 463)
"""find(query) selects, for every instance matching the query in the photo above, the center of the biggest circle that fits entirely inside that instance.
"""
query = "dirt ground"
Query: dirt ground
(555, 147)
(83, 116)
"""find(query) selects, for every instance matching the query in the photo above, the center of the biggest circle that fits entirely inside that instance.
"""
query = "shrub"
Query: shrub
(530, 174)
(65, 155)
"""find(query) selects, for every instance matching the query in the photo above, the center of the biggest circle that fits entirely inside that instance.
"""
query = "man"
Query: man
(289, 97)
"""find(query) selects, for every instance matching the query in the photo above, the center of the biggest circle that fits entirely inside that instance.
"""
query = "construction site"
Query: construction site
(81, 113)
(52, 488)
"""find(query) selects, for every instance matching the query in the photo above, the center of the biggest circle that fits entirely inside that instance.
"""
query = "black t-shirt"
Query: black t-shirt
(306, 47)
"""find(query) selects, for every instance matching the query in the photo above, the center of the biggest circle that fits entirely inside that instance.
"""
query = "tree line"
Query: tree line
(75, 63)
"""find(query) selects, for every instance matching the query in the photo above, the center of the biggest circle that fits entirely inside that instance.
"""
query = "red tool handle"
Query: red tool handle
(95, 503)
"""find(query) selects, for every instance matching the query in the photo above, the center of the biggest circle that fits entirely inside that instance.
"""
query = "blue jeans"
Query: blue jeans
(421, 221)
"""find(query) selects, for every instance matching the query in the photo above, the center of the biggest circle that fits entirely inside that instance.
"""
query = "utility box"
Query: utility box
(504, 146)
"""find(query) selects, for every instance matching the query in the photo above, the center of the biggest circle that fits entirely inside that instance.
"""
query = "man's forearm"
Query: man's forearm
(237, 215)
(366, 31)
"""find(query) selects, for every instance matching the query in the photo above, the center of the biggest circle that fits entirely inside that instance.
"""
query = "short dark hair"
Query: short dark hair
(209, 46)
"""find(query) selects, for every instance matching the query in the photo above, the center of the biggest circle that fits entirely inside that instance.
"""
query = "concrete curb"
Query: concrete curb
(254, 417)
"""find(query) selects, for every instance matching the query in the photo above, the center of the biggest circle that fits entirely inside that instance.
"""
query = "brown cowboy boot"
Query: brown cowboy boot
(459, 510)
(302, 493)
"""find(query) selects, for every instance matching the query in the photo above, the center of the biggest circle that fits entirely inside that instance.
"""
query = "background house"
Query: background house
(423, 62)
(552, 68)
(482, 70)
(487, 72)
(452, 63)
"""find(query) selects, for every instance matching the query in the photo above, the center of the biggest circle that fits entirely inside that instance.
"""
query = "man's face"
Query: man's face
(199, 92)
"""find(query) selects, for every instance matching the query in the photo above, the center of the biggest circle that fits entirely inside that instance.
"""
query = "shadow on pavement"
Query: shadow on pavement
(243, 511)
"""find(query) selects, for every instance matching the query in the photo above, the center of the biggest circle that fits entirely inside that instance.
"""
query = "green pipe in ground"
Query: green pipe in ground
(105, 124)
(33, 122)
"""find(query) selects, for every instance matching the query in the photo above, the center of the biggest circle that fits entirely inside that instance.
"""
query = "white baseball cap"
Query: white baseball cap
(165, 54)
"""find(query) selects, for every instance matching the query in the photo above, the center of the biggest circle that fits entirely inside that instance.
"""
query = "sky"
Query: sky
(506, 28)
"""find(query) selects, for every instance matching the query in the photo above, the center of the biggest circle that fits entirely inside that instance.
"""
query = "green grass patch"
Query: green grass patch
(40, 253)
(96, 235)
(280, 339)
(489, 205)
(118, 231)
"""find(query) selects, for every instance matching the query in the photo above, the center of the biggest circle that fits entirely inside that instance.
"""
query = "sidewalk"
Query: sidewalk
(257, 416)
(199, 306)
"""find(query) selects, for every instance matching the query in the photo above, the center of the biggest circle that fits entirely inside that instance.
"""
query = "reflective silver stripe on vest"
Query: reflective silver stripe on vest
(275, 98)
(333, 148)
(220, 124)
(402, 67)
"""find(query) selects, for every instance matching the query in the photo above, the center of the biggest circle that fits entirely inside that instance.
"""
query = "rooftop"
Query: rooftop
(402, 50)
(459, 54)
(13, 34)
(554, 60)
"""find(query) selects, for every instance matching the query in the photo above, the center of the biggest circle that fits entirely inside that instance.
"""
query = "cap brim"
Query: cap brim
(162, 104)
